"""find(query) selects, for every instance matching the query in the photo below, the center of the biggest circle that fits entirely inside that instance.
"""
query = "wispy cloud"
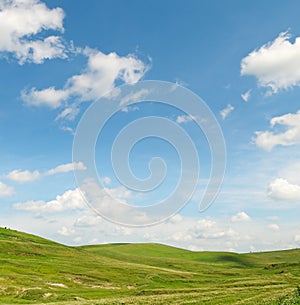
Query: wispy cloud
(134, 96)
(65, 168)
(182, 119)
(246, 96)
(226, 111)
(27, 176)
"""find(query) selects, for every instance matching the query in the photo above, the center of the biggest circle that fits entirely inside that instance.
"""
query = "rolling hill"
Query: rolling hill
(34, 270)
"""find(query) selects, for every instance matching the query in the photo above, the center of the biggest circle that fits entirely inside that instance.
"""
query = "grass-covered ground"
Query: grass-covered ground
(38, 271)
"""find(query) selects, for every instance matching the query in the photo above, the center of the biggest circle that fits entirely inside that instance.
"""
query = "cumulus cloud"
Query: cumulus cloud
(281, 189)
(226, 111)
(74, 200)
(246, 96)
(27, 176)
(276, 65)
(177, 218)
(49, 97)
(64, 231)
(88, 219)
(240, 217)
(205, 224)
(274, 226)
(23, 27)
(216, 234)
(291, 136)
(210, 229)
(70, 200)
(21, 22)
(105, 180)
(98, 78)
(102, 72)
(23, 176)
(181, 237)
(5, 190)
(113, 203)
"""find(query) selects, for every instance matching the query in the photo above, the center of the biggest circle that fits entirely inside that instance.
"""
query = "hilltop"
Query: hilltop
(34, 270)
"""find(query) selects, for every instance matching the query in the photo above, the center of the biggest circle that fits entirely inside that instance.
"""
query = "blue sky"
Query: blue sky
(241, 58)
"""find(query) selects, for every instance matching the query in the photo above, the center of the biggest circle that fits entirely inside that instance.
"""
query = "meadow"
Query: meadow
(34, 270)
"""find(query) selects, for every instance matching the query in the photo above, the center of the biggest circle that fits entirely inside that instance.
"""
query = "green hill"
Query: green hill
(34, 270)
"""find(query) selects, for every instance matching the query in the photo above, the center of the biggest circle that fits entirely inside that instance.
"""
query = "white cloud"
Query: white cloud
(122, 231)
(112, 202)
(210, 229)
(213, 234)
(130, 108)
(177, 84)
(276, 64)
(70, 200)
(74, 200)
(180, 236)
(5, 190)
(106, 180)
(281, 189)
(65, 168)
(64, 231)
(68, 113)
(68, 129)
(49, 97)
(177, 218)
(273, 217)
(246, 96)
(291, 171)
(182, 119)
(274, 226)
(134, 96)
(240, 217)
(21, 22)
(77, 239)
(27, 176)
(23, 176)
(205, 224)
(234, 235)
(88, 219)
(98, 78)
(291, 136)
(226, 111)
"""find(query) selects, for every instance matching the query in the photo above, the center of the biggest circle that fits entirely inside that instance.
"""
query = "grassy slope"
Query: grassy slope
(35, 270)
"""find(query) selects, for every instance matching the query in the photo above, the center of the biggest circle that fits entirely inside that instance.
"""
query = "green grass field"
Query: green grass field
(34, 270)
